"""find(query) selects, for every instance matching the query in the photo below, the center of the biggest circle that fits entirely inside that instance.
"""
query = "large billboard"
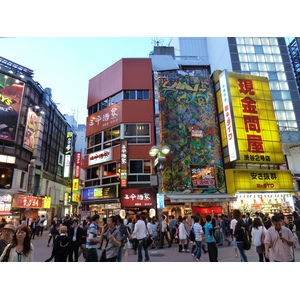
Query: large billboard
(258, 139)
(11, 92)
(188, 125)
(31, 127)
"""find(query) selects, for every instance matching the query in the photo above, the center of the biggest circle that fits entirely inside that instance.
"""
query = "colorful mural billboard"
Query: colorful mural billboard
(11, 92)
(189, 126)
(31, 127)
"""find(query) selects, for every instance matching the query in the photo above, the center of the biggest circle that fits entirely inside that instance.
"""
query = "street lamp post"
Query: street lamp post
(160, 154)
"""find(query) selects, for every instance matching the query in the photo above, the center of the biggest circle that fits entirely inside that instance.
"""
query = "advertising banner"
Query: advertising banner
(203, 176)
(258, 180)
(24, 201)
(31, 127)
(137, 197)
(100, 157)
(255, 122)
(77, 164)
(100, 193)
(124, 161)
(11, 92)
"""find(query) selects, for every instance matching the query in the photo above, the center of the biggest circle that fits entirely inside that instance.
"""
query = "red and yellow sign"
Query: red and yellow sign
(258, 139)
(258, 180)
(47, 202)
(75, 186)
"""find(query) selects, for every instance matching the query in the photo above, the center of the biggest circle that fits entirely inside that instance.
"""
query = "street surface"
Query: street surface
(225, 253)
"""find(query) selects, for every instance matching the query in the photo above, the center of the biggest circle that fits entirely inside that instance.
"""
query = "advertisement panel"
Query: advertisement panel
(30, 129)
(100, 157)
(188, 125)
(24, 201)
(203, 176)
(258, 180)
(124, 155)
(137, 197)
(100, 193)
(68, 153)
(104, 119)
(77, 164)
(11, 93)
(255, 121)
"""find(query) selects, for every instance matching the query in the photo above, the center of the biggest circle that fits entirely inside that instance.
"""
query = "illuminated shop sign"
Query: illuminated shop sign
(228, 116)
(258, 180)
(124, 155)
(137, 197)
(47, 202)
(203, 176)
(256, 126)
(24, 201)
(77, 164)
(68, 153)
(100, 157)
(103, 119)
(100, 193)
(75, 184)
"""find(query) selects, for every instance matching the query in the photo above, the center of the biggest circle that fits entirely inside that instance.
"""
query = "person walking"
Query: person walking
(183, 236)
(140, 232)
(240, 233)
(232, 228)
(297, 225)
(258, 233)
(76, 236)
(198, 238)
(61, 247)
(41, 225)
(172, 224)
(223, 232)
(281, 240)
(210, 240)
(113, 240)
(92, 240)
(124, 238)
(53, 233)
(33, 228)
(20, 249)
(164, 233)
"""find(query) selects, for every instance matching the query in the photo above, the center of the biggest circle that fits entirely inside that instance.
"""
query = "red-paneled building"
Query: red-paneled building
(120, 132)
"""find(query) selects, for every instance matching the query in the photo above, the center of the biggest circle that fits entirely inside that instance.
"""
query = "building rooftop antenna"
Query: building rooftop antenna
(157, 41)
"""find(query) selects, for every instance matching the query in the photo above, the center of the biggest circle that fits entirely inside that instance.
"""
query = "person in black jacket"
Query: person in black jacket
(124, 237)
(76, 237)
(239, 233)
(61, 248)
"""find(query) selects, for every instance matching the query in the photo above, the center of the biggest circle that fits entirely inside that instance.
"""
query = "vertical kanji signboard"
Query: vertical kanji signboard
(258, 139)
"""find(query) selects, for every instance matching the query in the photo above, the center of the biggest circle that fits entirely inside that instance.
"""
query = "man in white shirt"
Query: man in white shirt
(140, 232)
(232, 227)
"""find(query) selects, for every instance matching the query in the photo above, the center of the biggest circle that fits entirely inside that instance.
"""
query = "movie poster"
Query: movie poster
(30, 130)
(11, 92)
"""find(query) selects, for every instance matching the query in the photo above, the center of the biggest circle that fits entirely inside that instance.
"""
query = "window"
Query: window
(286, 95)
(137, 133)
(290, 115)
(136, 95)
(256, 41)
(22, 181)
(278, 105)
(60, 159)
(6, 176)
(92, 173)
(110, 169)
(139, 171)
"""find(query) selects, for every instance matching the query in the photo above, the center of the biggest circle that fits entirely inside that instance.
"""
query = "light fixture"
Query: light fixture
(154, 151)
(10, 71)
(122, 213)
(152, 212)
(165, 150)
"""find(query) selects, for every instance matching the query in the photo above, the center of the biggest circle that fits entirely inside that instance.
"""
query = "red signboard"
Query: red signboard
(137, 197)
(77, 164)
(29, 201)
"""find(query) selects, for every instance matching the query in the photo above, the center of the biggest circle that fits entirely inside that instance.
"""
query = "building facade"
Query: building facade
(119, 133)
(33, 147)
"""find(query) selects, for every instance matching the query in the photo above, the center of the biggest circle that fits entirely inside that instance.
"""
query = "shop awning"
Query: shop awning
(100, 201)
(180, 197)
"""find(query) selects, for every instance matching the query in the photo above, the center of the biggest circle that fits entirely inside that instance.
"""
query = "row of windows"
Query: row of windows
(259, 49)
(264, 67)
(133, 133)
(257, 41)
(268, 58)
(138, 171)
(123, 95)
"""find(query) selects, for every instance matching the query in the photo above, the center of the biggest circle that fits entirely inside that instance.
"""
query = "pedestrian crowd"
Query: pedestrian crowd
(71, 237)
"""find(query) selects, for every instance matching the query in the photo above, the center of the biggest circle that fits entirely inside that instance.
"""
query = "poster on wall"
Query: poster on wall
(31, 127)
(11, 92)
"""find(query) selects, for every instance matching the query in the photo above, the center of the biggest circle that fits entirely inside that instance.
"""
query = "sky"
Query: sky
(66, 64)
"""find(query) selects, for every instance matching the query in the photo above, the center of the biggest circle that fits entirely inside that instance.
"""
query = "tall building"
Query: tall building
(34, 146)
(119, 134)
(259, 56)
(294, 51)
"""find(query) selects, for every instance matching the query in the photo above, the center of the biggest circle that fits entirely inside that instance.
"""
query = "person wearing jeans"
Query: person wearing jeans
(239, 233)
(140, 232)
(210, 240)
(198, 237)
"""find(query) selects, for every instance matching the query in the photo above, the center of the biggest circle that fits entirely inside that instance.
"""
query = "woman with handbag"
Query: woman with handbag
(258, 233)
